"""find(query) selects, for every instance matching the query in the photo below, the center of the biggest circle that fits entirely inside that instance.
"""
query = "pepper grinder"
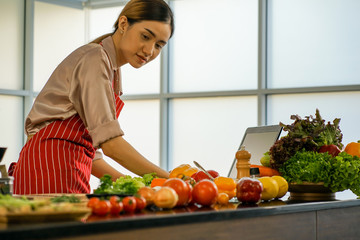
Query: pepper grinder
(243, 163)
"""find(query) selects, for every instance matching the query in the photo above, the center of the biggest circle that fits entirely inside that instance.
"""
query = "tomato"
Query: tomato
(165, 197)
(129, 203)
(102, 208)
(140, 203)
(181, 188)
(114, 199)
(92, 202)
(205, 192)
(116, 208)
(223, 198)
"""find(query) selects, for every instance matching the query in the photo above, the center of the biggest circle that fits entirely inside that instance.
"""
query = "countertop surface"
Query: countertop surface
(186, 215)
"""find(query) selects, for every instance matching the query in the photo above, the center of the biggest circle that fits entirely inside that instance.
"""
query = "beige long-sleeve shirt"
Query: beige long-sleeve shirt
(82, 84)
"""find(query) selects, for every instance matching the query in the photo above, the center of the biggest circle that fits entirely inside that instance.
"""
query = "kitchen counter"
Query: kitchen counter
(281, 219)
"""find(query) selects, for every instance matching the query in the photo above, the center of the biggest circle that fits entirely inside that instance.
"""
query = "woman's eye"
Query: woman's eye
(145, 37)
(158, 46)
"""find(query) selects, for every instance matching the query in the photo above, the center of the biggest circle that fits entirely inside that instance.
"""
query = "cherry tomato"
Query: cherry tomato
(223, 198)
(205, 192)
(92, 202)
(102, 208)
(129, 203)
(114, 199)
(140, 203)
(181, 188)
(116, 208)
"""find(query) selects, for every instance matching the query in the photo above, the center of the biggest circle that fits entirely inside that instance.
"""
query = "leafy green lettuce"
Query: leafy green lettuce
(308, 166)
(123, 185)
(346, 173)
(337, 173)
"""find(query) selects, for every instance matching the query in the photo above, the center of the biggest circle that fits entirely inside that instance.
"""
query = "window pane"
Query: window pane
(330, 105)
(101, 21)
(58, 31)
(214, 49)
(139, 120)
(11, 129)
(209, 130)
(11, 44)
(145, 80)
(313, 43)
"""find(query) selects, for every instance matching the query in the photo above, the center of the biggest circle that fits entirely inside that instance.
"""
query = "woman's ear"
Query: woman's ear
(123, 23)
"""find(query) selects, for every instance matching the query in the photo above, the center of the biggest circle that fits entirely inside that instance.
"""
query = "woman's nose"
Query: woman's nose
(148, 49)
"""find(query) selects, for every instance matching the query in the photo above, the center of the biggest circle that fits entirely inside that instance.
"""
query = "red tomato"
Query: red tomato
(129, 203)
(140, 203)
(114, 199)
(181, 188)
(116, 208)
(92, 202)
(102, 208)
(205, 192)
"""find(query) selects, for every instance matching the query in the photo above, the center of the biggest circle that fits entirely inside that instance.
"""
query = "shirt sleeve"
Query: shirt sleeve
(93, 97)
(98, 155)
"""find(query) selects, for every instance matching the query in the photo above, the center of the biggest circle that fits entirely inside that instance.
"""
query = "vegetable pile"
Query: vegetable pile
(310, 134)
(310, 152)
(123, 185)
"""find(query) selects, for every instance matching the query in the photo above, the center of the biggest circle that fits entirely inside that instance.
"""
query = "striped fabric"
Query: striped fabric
(57, 159)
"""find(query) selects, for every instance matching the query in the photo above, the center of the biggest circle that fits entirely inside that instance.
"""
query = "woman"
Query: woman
(76, 112)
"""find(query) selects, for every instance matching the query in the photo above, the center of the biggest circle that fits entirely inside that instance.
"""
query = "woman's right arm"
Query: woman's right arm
(126, 155)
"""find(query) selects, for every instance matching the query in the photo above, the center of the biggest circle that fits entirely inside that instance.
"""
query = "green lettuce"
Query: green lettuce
(337, 173)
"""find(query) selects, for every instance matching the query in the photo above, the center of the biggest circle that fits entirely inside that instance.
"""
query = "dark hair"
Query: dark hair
(144, 10)
(147, 10)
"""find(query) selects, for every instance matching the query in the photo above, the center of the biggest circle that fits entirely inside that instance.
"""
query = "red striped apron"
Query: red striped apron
(58, 158)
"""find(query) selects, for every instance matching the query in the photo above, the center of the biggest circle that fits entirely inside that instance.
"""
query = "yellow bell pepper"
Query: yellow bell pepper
(183, 171)
(226, 185)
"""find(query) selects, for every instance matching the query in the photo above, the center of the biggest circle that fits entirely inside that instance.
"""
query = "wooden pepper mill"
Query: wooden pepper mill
(243, 163)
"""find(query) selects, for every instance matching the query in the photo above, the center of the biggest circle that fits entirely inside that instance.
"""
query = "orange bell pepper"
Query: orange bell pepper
(226, 185)
(190, 171)
(158, 182)
(353, 148)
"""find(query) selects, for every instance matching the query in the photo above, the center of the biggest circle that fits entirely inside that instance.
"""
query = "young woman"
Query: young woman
(76, 112)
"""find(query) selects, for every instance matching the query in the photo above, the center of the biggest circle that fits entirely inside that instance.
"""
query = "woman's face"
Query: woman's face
(142, 42)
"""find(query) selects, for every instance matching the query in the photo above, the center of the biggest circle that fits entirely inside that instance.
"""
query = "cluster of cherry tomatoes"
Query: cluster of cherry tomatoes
(116, 205)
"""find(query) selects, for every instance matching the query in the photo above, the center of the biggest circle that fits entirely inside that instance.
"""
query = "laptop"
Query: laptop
(257, 141)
